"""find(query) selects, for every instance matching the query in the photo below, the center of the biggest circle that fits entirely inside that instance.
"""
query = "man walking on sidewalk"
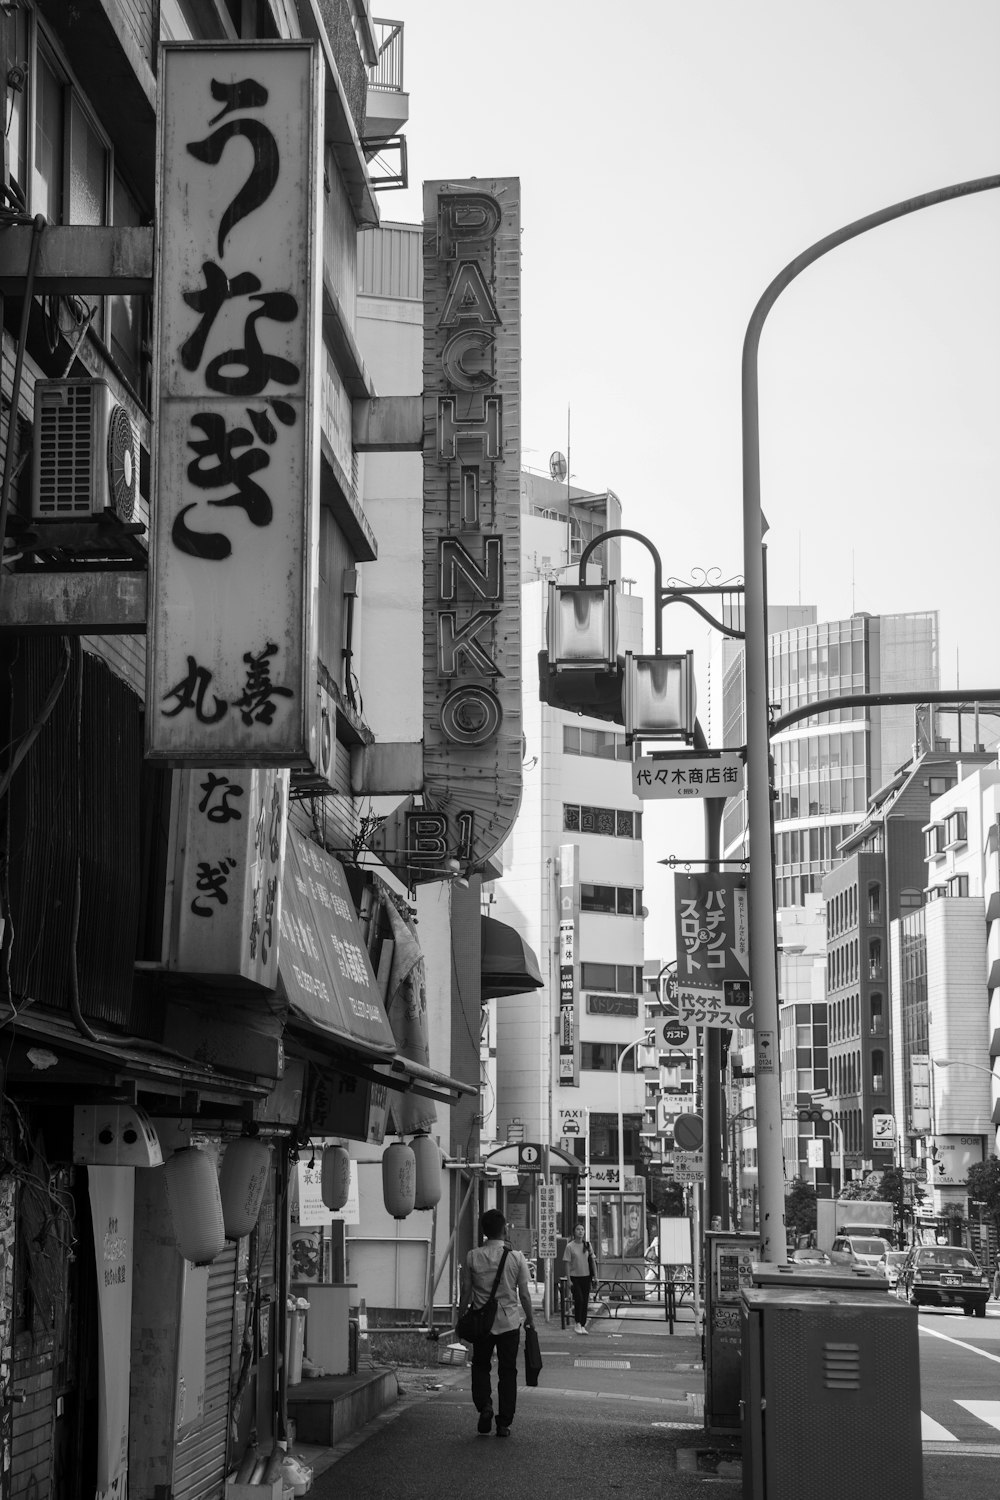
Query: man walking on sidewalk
(481, 1268)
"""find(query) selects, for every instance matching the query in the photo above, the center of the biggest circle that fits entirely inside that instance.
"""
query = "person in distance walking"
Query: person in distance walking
(581, 1268)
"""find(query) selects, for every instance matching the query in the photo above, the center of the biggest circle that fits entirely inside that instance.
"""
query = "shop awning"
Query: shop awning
(323, 964)
(505, 1159)
(508, 966)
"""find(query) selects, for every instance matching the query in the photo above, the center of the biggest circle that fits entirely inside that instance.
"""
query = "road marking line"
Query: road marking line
(961, 1343)
(933, 1432)
(986, 1411)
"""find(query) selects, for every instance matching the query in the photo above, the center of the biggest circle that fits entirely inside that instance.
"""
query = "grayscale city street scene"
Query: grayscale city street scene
(499, 750)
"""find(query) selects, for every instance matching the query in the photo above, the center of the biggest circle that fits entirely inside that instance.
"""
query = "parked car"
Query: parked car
(944, 1276)
(857, 1250)
(890, 1264)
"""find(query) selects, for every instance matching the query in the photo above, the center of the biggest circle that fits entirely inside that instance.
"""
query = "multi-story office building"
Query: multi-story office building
(826, 765)
(572, 886)
(880, 879)
(812, 1150)
(946, 977)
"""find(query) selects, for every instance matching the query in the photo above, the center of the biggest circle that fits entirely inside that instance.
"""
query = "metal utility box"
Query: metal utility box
(730, 1257)
(831, 1392)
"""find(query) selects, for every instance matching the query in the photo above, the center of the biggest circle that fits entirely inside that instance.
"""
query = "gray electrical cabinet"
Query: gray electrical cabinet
(831, 1392)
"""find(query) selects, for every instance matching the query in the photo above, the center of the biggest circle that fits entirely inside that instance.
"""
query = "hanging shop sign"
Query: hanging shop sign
(569, 910)
(228, 851)
(717, 773)
(112, 1200)
(713, 928)
(713, 949)
(231, 676)
(726, 1004)
(472, 517)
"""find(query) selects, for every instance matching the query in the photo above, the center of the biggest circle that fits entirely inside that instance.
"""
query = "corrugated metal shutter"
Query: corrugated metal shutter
(200, 1459)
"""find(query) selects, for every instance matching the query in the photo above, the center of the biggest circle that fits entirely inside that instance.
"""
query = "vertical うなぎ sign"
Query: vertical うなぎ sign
(471, 533)
(231, 661)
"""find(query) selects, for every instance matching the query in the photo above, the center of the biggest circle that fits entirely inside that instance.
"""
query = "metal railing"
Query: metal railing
(387, 74)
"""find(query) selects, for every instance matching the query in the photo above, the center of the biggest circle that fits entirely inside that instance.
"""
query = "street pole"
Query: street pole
(763, 920)
(639, 1042)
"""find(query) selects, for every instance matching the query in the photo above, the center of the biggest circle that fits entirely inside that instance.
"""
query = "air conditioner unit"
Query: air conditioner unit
(85, 453)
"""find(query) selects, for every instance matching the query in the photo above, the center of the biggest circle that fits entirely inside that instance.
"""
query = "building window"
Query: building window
(602, 1057)
(878, 1073)
(62, 166)
(617, 900)
(956, 828)
(910, 898)
(933, 840)
(607, 821)
(958, 885)
(602, 743)
(623, 979)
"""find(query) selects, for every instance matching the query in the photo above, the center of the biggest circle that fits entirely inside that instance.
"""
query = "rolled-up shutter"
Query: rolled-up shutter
(200, 1456)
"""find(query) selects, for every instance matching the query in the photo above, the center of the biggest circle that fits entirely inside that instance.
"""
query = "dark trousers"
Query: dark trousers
(506, 1345)
(581, 1298)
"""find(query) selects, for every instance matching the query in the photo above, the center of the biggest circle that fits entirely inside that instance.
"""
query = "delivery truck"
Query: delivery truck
(836, 1217)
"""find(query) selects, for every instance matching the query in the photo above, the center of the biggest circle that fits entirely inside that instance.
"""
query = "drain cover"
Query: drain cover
(602, 1364)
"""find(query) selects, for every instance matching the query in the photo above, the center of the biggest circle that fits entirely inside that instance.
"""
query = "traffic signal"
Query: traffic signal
(814, 1114)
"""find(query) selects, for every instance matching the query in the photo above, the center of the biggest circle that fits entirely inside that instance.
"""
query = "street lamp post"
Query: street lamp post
(640, 1041)
(763, 918)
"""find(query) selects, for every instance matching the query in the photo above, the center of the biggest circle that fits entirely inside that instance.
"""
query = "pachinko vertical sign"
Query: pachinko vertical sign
(231, 661)
(473, 732)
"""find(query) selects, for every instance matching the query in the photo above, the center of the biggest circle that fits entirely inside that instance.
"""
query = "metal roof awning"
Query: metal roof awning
(508, 966)
(505, 1159)
(45, 1048)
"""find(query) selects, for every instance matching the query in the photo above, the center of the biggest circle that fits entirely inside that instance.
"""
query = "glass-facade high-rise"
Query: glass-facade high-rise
(827, 765)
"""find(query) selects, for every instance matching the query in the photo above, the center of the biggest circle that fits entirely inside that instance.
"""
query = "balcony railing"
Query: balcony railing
(387, 74)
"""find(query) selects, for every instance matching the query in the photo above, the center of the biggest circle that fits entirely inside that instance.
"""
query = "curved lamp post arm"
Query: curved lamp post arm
(763, 927)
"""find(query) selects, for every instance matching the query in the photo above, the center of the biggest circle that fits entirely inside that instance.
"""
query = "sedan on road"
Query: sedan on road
(890, 1265)
(944, 1276)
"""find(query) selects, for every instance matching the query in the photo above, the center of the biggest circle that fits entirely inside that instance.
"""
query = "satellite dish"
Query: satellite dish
(557, 465)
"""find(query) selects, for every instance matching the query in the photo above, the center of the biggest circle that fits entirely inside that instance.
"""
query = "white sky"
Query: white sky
(673, 156)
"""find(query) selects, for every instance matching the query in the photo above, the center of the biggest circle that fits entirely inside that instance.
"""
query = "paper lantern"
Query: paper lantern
(427, 1155)
(336, 1177)
(399, 1179)
(195, 1205)
(242, 1181)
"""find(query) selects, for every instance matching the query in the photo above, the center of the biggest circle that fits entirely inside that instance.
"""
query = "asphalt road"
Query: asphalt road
(620, 1412)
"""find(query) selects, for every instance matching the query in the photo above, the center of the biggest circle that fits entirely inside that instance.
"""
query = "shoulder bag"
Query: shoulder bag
(476, 1321)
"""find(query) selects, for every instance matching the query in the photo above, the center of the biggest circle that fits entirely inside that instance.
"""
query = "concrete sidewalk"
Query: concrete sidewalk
(330, 1411)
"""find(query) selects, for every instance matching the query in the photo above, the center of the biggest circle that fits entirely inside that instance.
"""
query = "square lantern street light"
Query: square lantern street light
(582, 627)
(660, 698)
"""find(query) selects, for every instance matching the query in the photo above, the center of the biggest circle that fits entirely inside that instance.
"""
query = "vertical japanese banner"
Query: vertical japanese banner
(112, 1199)
(473, 730)
(713, 934)
(231, 675)
(228, 855)
(569, 908)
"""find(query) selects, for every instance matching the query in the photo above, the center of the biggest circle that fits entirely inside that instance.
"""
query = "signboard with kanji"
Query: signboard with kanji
(716, 774)
(713, 930)
(546, 1221)
(727, 1004)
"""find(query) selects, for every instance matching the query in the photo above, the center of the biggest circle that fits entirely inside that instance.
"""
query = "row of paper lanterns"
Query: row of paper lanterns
(207, 1208)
